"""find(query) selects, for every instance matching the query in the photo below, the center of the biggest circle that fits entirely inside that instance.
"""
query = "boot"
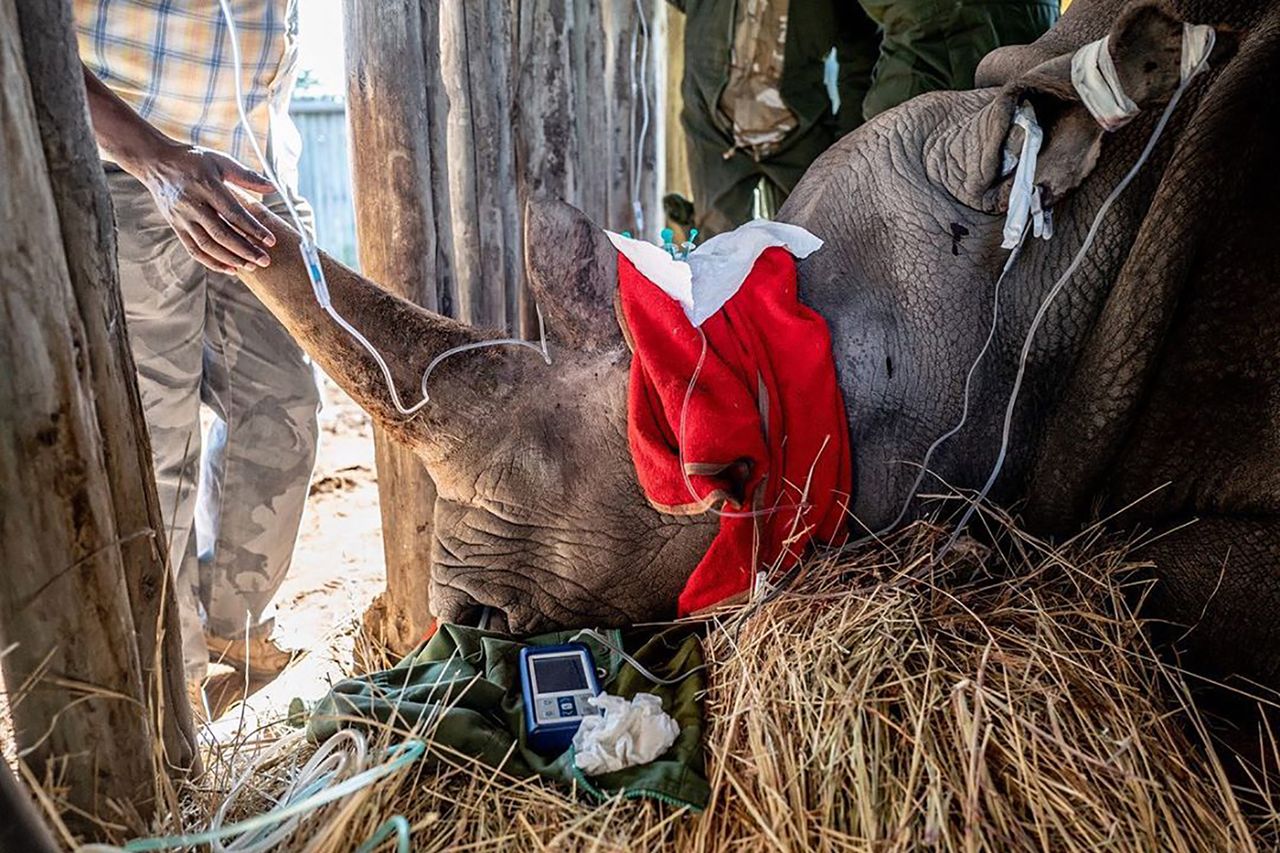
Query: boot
(265, 658)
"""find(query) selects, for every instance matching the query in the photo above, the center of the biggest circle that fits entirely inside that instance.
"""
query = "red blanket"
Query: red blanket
(765, 428)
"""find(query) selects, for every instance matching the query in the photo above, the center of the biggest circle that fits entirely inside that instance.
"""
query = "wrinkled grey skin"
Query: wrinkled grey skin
(540, 515)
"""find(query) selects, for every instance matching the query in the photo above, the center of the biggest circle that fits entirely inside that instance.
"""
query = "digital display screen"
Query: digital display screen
(558, 674)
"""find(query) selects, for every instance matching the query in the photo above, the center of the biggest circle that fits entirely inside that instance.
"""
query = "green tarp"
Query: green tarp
(461, 692)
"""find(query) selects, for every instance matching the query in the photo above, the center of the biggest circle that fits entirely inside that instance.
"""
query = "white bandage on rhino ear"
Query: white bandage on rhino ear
(1197, 44)
(1024, 197)
(1094, 77)
(1093, 74)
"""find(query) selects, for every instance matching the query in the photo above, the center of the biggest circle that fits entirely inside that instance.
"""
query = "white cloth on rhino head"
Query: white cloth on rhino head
(714, 271)
(1093, 74)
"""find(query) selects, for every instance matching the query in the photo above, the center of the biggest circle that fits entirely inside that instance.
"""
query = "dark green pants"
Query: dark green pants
(927, 45)
(724, 187)
(724, 178)
(921, 46)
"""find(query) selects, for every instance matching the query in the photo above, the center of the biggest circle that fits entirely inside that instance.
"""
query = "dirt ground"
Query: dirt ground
(337, 570)
(337, 566)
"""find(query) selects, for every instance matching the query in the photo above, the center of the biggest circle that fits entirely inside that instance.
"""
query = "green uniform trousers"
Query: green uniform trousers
(928, 45)
(888, 51)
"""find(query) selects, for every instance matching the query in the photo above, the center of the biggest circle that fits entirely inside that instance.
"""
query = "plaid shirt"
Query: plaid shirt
(171, 61)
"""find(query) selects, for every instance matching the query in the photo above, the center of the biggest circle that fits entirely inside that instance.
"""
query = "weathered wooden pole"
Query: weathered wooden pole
(21, 826)
(78, 512)
(634, 37)
(399, 180)
(459, 111)
(591, 107)
(677, 166)
(476, 61)
(89, 244)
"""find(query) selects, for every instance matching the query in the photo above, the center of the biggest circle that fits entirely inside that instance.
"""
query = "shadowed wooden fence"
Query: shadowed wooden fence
(460, 111)
(91, 654)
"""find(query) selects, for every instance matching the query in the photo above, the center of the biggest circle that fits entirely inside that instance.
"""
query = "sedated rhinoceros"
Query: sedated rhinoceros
(1153, 378)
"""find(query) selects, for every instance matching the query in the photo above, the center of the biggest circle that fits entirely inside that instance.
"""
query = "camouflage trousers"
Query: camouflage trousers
(232, 511)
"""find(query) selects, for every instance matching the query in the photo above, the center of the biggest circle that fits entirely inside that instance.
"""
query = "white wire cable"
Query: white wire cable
(315, 272)
(1053, 293)
(636, 165)
(328, 765)
(635, 664)
(319, 783)
(913, 492)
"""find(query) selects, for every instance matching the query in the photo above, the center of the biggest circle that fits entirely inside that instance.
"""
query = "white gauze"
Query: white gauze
(1093, 74)
(714, 271)
(627, 734)
(1197, 44)
(1024, 196)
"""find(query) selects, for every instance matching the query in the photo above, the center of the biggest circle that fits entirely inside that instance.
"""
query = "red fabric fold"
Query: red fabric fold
(765, 425)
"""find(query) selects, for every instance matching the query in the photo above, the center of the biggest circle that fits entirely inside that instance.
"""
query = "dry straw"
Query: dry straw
(1004, 699)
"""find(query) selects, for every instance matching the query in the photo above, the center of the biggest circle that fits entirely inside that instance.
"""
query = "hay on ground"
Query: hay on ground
(997, 700)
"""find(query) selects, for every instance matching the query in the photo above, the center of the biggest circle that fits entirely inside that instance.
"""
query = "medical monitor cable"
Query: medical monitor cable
(1053, 293)
(311, 258)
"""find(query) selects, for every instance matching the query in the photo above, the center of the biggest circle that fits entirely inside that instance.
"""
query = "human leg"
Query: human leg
(258, 462)
(163, 294)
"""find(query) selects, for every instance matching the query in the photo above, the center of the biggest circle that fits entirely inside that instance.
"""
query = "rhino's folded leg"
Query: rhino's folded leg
(1217, 581)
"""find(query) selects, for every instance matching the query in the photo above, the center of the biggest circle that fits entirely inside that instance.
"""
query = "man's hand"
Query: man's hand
(189, 186)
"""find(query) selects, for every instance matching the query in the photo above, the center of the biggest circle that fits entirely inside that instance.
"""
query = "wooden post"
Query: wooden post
(396, 118)
(549, 148)
(592, 94)
(89, 244)
(677, 173)
(460, 111)
(634, 79)
(476, 54)
(21, 826)
(73, 670)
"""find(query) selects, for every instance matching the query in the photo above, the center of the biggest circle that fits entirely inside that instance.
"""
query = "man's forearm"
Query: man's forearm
(188, 183)
(124, 136)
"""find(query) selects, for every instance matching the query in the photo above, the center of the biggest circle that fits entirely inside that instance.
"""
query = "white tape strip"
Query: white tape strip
(1093, 74)
(1197, 44)
(1024, 197)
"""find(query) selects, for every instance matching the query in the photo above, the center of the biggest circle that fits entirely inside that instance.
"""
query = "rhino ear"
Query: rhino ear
(573, 272)
(1145, 45)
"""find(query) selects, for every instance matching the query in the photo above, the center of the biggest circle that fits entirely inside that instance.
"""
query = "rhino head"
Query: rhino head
(539, 514)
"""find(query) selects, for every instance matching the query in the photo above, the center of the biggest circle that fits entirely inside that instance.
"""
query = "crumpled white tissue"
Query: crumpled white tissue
(629, 733)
